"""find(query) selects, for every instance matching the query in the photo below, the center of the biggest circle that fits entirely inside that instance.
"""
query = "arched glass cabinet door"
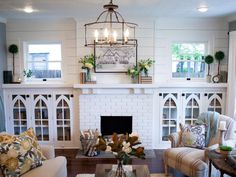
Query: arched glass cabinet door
(19, 117)
(215, 102)
(41, 118)
(192, 108)
(63, 117)
(169, 115)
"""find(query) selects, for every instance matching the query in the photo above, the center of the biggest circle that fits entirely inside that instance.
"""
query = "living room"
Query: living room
(161, 64)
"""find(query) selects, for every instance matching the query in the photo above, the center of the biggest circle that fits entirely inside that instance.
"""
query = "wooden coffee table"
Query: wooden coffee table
(139, 170)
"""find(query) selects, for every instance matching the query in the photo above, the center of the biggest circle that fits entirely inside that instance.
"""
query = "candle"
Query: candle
(114, 36)
(126, 34)
(96, 34)
(222, 125)
(106, 34)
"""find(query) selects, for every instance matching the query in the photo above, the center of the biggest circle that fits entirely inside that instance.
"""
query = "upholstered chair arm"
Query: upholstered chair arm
(175, 139)
(48, 151)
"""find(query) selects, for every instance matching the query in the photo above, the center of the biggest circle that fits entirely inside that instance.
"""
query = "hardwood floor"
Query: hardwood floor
(88, 165)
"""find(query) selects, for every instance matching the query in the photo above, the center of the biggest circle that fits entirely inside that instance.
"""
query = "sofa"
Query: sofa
(53, 167)
(193, 162)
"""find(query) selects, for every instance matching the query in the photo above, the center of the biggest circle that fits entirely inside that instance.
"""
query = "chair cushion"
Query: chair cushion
(18, 155)
(55, 167)
(193, 136)
(190, 161)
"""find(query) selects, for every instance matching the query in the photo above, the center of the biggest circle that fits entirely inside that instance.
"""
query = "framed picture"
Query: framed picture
(114, 59)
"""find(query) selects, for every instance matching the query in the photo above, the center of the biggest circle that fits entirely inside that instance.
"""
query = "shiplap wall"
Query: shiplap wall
(154, 41)
(63, 31)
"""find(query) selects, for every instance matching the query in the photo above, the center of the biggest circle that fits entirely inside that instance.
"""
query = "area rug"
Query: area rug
(152, 175)
(149, 153)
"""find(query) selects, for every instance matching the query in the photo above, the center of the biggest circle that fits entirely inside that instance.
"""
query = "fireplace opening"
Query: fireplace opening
(117, 124)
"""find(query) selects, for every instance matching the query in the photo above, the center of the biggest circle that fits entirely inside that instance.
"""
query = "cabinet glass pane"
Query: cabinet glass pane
(39, 133)
(45, 134)
(165, 133)
(67, 123)
(37, 122)
(23, 113)
(210, 109)
(219, 110)
(59, 133)
(59, 113)
(173, 113)
(17, 130)
(195, 113)
(173, 129)
(188, 113)
(23, 129)
(59, 122)
(66, 113)
(21, 104)
(59, 104)
(212, 103)
(165, 113)
(67, 134)
(16, 113)
(66, 104)
(43, 104)
(44, 113)
(37, 114)
(217, 102)
(194, 102)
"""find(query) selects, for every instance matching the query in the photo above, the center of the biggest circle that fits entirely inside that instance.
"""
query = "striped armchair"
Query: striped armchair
(194, 162)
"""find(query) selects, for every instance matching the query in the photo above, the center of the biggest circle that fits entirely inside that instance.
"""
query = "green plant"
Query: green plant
(208, 60)
(13, 49)
(144, 65)
(27, 73)
(219, 55)
(133, 71)
(88, 61)
(226, 148)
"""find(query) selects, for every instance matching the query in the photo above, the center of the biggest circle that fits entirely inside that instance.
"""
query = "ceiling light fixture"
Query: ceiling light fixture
(110, 28)
(202, 9)
(28, 9)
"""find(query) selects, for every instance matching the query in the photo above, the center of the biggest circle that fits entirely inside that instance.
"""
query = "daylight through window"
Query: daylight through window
(188, 60)
(44, 60)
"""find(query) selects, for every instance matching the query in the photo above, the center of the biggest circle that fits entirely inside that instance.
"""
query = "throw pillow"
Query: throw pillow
(30, 132)
(18, 155)
(193, 136)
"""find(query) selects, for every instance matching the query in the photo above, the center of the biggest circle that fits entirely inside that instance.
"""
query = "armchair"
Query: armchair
(191, 161)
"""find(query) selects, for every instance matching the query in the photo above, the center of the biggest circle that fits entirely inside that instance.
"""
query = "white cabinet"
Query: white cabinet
(184, 106)
(49, 112)
(63, 119)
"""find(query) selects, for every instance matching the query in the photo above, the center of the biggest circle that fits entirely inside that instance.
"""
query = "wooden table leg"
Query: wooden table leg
(209, 171)
(221, 174)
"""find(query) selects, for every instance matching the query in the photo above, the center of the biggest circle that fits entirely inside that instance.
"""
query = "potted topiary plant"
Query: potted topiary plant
(208, 60)
(225, 150)
(13, 49)
(219, 56)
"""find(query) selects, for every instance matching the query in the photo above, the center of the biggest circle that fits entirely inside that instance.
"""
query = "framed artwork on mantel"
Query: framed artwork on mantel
(114, 59)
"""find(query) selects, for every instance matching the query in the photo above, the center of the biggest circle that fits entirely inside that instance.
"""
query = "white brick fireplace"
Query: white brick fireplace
(121, 102)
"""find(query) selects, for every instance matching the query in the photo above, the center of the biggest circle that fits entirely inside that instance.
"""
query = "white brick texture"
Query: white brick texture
(140, 107)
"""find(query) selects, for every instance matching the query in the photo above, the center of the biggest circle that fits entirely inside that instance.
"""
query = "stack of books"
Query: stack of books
(145, 79)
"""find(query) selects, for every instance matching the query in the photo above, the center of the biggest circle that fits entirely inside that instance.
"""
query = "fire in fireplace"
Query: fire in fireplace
(118, 124)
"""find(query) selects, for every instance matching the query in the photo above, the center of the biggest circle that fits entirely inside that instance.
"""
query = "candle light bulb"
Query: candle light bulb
(106, 34)
(96, 34)
(126, 34)
(114, 36)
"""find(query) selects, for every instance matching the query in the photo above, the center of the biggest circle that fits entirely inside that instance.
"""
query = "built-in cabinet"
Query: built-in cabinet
(49, 112)
(185, 107)
(55, 113)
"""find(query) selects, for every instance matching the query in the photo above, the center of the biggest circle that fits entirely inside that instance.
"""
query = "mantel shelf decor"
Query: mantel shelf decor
(110, 28)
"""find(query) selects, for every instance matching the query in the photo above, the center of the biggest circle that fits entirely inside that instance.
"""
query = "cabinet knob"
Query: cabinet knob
(160, 94)
(71, 95)
(183, 94)
(49, 96)
(27, 96)
(205, 94)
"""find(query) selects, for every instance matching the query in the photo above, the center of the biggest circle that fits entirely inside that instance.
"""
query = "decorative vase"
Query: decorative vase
(88, 75)
(208, 78)
(119, 172)
(134, 79)
(144, 73)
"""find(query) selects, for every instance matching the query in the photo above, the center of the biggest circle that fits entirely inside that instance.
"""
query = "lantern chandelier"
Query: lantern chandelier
(110, 28)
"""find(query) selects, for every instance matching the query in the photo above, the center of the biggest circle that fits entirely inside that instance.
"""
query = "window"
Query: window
(44, 60)
(188, 60)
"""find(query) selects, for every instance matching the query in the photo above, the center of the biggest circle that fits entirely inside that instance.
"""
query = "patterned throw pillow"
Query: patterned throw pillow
(193, 136)
(30, 132)
(18, 155)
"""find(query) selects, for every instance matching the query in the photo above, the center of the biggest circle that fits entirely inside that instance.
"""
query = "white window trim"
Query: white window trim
(206, 43)
(25, 52)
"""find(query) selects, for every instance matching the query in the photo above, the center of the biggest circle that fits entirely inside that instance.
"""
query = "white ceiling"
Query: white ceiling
(10, 9)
